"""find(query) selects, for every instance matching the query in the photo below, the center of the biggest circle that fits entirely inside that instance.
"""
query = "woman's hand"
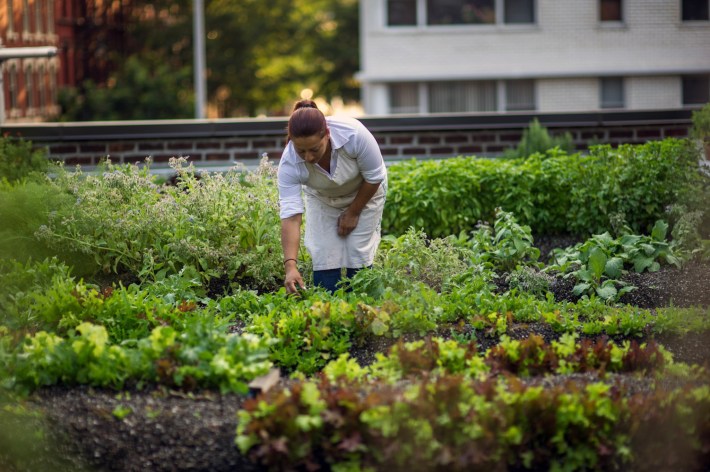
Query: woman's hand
(347, 221)
(293, 279)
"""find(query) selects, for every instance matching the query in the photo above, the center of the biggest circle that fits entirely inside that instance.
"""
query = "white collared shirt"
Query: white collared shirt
(346, 133)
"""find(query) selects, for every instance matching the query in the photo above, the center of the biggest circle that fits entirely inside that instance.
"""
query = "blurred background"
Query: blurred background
(136, 60)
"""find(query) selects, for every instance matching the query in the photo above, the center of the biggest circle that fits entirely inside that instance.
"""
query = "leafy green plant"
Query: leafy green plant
(531, 280)
(536, 139)
(508, 245)
(223, 225)
(19, 159)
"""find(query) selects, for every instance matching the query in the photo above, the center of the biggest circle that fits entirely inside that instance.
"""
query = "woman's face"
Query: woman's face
(311, 148)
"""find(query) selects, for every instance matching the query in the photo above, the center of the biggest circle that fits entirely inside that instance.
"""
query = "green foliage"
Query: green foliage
(201, 356)
(507, 245)
(143, 88)
(458, 424)
(557, 193)
(528, 279)
(598, 263)
(536, 139)
(18, 159)
(221, 225)
(701, 123)
(260, 55)
(410, 259)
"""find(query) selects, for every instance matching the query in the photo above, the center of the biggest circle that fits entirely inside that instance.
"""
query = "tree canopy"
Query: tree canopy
(260, 55)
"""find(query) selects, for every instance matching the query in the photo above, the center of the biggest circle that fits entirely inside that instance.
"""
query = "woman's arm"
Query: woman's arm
(349, 218)
(290, 242)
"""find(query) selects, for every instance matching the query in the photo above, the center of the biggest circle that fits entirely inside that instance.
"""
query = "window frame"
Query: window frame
(685, 77)
(622, 12)
(703, 21)
(500, 88)
(612, 105)
(421, 20)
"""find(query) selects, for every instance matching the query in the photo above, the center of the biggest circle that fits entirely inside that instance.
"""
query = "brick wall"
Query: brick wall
(228, 142)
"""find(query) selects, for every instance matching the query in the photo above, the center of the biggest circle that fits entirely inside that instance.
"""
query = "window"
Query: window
(612, 92)
(459, 12)
(401, 12)
(695, 10)
(519, 95)
(696, 89)
(404, 97)
(610, 10)
(519, 11)
(462, 96)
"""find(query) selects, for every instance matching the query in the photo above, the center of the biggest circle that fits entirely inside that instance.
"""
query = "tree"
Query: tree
(260, 55)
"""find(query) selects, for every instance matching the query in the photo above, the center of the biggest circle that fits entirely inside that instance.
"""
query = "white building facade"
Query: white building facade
(461, 56)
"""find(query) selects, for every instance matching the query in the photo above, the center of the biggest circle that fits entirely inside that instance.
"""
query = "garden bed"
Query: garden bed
(164, 429)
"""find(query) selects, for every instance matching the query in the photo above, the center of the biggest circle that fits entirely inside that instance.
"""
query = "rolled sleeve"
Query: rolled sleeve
(290, 199)
(369, 156)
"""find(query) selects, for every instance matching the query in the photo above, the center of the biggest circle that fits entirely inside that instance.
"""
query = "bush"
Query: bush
(18, 159)
(551, 193)
(536, 139)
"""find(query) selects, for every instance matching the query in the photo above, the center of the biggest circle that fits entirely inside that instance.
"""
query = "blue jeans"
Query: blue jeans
(328, 279)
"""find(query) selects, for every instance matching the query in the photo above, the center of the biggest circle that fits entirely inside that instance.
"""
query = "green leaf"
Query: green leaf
(597, 262)
(580, 289)
(613, 267)
(607, 292)
(659, 231)
(641, 263)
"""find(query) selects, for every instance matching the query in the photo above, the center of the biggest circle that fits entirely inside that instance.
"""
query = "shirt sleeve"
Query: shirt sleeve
(369, 156)
(290, 199)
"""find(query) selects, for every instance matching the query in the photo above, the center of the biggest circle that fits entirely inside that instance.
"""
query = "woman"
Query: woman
(338, 165)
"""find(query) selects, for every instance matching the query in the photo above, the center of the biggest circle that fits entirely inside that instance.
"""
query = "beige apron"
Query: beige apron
(326, 197)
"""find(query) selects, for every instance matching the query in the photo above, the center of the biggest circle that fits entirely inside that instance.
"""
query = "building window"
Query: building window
(610, 10)
(462, 96)
(404, 97)
(459, 12)
(402, 12)
(519, 11)
(53, 84)
(696, 89)
(695, 10)
(519, 95)
(611, 92)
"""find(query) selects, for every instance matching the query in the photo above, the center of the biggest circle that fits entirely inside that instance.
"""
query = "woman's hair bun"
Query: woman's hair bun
(305, 104)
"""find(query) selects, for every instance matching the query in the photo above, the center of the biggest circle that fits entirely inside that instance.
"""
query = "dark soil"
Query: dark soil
(166, 431)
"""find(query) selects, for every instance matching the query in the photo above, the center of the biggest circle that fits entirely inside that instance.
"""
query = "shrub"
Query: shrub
(536, 139)
(554, 193)
(18, 159)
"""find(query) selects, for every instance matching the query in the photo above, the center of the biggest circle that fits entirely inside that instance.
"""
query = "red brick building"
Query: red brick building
(84, 31)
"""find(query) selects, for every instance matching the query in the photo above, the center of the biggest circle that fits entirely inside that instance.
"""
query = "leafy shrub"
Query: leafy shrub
(556, 193)
(221, 225)
(412, 258)
(18, 159)
(536, 139)
(528, 279)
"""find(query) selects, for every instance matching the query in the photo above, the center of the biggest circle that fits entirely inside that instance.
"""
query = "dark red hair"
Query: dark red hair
(306, 120)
